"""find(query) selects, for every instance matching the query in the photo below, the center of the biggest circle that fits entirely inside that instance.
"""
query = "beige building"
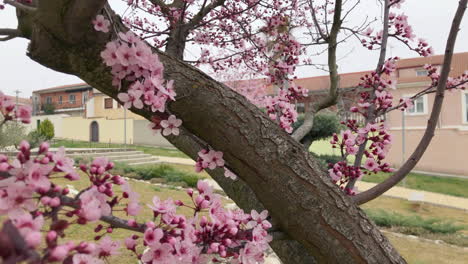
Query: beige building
(106, 121)
(448, 151)
(103, 120)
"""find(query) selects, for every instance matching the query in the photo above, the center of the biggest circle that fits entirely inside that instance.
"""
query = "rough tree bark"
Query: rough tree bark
(284, 178)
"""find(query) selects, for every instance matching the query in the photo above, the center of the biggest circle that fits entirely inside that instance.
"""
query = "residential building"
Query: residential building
(90, 115)
(448, 150)
(67, 99)
(101, 118)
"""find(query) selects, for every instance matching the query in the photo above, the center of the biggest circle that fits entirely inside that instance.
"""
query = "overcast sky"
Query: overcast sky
(430, 19)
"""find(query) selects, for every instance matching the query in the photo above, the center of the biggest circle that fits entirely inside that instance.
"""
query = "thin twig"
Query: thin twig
(20, 6)
(431, 123)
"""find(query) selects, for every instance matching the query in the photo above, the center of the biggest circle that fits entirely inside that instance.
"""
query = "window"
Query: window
(108, 103)
(85, 97)
(421, 72)
(49, 100)
(72, 99)
(419, 106)
(60, 100)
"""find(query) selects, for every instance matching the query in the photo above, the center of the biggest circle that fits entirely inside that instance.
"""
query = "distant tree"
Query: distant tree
(46, 129)
(11, 134)
(35, 138)
(49, 109)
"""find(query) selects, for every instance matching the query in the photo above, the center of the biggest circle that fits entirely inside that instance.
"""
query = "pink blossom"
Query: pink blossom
(259, 219)
(24, 113)
(212, 159)
(93, 205)
(101, 24)
(162, 207)
(171, 126)
(132, 97)
(37, 175)
(130, 243)
(107, 247)
(229, 174)
(158, 253)
(86, 259)
(125, 55)
(370, 164)
(64, 164)
(59, 253)
(335, 175)
(153, 236)
(109, 54)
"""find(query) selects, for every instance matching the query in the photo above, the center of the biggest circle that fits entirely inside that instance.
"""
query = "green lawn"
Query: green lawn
(157, 151)
(428, 253)
(446, 185)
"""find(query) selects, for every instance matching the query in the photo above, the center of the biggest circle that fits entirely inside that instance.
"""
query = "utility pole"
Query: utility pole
(17, 98)
(403, 142)
(125, 128)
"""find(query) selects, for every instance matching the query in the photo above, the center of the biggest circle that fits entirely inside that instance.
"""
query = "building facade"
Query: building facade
(93, 116)
(68, 99)
(448, 150)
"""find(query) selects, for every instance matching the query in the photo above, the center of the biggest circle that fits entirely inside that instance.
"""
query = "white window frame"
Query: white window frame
(425, 105)
(421, 70)
(72, 101)
(464, 108)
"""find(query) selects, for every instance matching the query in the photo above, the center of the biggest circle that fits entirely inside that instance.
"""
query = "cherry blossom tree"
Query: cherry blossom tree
(249, 153)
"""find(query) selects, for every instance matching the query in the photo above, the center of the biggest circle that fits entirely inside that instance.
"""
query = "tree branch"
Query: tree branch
(112, 220)
(371, 116)
(431, 123)
(10, 33)
(281, 174)
(203, 12)
(20, 6)
(329, 100)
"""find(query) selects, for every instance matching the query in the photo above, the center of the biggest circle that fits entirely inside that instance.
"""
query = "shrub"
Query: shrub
(46, 129)
(324, 127)
(167, 173)
(412, 223)
(35, 138)
(49, 109)
(326, 159)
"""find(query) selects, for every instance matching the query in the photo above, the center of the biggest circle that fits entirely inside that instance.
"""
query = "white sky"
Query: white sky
(430, 19)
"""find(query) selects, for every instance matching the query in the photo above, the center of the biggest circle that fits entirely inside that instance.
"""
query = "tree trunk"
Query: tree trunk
(281, 174)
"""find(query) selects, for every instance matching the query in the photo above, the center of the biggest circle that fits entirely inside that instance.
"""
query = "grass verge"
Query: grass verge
(451, 186)
(157, 151)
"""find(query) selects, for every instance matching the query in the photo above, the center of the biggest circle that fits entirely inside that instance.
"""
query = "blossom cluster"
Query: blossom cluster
(10, 111)
(220, 235)
(133, 60)
(35, 205)
(211, 159)
(460, 82)
(286, 49)
(369, 139)
(400, 29)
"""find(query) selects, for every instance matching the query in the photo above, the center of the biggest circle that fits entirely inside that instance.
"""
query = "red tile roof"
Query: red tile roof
(347, 80)
(61, 88)
(23, 101)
